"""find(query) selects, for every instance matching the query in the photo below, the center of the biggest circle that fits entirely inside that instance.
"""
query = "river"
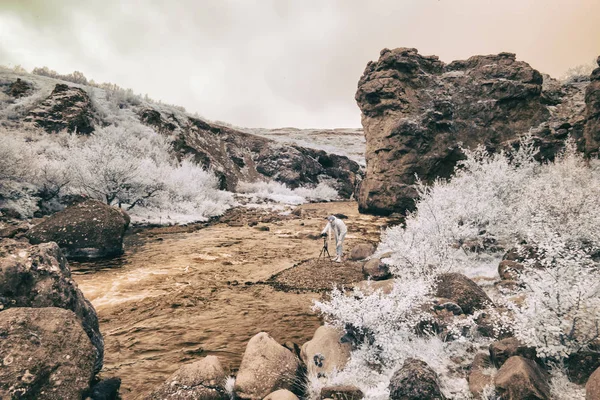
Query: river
(178, 295)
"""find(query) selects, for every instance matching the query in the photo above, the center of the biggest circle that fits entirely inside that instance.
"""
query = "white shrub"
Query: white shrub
(280, 193)
(491, 200)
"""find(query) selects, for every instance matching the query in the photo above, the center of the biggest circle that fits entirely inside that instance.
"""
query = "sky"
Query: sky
(280, 63)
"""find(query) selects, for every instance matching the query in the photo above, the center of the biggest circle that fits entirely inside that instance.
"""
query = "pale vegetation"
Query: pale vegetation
(498, 202)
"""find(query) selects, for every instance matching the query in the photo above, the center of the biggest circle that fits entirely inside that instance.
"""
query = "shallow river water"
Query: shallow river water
(174, 297)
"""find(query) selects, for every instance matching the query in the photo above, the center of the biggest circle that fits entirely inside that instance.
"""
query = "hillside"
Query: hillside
(42, 108)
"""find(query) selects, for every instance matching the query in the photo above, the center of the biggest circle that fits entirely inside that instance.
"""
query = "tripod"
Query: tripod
(325, 250)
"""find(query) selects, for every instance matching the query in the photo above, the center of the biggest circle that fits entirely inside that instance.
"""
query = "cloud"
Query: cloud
(281, 62)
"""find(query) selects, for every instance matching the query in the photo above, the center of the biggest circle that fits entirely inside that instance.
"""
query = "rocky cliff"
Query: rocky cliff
(417, 112)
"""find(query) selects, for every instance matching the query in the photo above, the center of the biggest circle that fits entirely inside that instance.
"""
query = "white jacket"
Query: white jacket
(338, 226)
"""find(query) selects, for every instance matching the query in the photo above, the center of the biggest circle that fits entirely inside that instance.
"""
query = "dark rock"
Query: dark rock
(502, 350)
(19, 88)
(592, 387)
(46, 354)
(341, 392)
(106, 389)
(509, 270)
(361, 251)
(415, 381)
(86, 230)
(462, 291)
(238, 156)
(376, 270)
(520, 378)
(203, 380)
(581, 365)
(479, 376)
(417, 109)
(592, 114)
(38, 277)
(67, 108)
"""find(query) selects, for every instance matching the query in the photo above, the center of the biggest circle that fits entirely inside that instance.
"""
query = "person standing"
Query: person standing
(339, 231)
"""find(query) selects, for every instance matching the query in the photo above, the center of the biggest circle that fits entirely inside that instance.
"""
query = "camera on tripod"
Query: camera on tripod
(324, 249)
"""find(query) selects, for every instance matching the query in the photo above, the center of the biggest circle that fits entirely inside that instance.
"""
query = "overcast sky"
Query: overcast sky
(273, 63)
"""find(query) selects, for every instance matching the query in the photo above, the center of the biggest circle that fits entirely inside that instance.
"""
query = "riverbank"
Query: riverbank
(178, 294)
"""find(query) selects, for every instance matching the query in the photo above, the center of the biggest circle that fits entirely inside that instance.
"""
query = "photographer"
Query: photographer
(339, 231)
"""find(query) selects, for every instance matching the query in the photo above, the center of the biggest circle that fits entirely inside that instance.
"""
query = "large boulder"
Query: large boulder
(67, 108)
(86, 230)
(45, 354)
(592, 387)
(200, 380)
(592, 113)
(237, 156)
(324, 352)
(266, 367)
(462, 291)
(502, 350)
(415, 381)
(361, 251)
(376, 270)
(521, 378)
(39, 276)
(417, 111)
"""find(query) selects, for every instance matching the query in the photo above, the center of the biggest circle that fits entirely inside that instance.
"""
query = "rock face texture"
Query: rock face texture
(520, 378)
(204, 379)
(592, 113)
(68, 108)
(238, 156)
(39, 277)
(45, 354)
(479, 377)
(592, 387)
(324, 352)
(86, 230)
(19, 88)
(462, 291)
(266, 367)
(415, 381)
(417, 110)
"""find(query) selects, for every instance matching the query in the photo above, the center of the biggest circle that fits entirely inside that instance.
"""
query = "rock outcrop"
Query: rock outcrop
(462, 291)
(415, 381)
(86, 230)
(592, 113)
(520, 378)
(238, 156)
(67, 108)
(417, 111)
(45, 354)
(324, 352)
(204, 380)
(19, 88)
(39, 277)
(266, 367)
